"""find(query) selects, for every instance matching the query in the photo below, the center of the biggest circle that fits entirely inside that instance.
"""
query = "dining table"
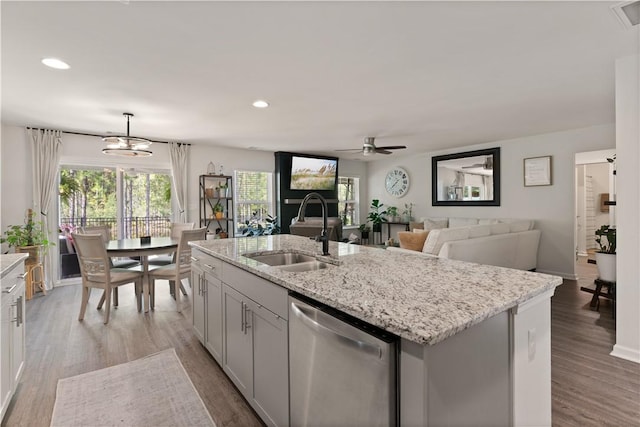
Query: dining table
(142, 248)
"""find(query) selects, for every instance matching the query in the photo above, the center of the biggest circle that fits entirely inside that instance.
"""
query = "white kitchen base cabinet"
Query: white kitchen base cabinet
(12, 343)
(207, 302)
(256, 344)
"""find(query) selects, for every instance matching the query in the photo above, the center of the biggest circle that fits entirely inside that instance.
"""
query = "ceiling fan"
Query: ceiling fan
(487, 165)
(369, 147)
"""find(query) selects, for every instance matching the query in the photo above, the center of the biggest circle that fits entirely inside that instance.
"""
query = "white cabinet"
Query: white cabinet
(12, 350)
(207, 302)
(256, 343)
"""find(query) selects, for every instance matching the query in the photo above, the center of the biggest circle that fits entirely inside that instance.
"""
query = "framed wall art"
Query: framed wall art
(537, 171)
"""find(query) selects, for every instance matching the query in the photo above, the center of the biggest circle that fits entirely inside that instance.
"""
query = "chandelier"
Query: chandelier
(127, 146)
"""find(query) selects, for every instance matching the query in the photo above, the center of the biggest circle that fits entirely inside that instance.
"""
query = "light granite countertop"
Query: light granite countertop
(422, 299)
(7, 261)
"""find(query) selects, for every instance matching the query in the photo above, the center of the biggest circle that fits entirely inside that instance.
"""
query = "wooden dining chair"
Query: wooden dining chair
(179, 269)
(176, 231)
(97, 272)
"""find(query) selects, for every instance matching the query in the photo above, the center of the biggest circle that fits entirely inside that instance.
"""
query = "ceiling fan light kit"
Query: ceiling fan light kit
(369, 148)
(127, 146)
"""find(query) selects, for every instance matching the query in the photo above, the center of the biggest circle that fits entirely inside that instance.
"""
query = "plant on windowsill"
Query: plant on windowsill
(606, 256)
(29, 237)
(376, 216)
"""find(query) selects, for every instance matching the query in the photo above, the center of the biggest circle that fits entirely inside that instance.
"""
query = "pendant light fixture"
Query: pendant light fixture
(127, 146)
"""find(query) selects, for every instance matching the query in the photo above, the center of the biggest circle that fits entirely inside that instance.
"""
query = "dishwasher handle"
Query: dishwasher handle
(371, 349)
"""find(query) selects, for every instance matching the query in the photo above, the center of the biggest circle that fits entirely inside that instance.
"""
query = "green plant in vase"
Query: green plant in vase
(376, 215)
(606, 255)
(30, 237)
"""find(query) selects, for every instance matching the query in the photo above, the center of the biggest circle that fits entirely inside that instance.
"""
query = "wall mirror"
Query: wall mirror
(471, 178)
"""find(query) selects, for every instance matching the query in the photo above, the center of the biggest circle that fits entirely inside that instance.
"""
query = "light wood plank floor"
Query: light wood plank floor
(589, 387)
(60, 346)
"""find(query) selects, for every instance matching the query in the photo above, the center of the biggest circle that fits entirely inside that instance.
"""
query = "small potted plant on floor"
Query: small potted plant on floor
(606, 256)
(364, 230)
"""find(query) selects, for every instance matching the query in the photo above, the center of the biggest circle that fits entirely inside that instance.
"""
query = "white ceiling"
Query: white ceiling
(429, 75)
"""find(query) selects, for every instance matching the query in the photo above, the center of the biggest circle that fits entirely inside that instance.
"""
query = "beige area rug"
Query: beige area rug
(152, 391)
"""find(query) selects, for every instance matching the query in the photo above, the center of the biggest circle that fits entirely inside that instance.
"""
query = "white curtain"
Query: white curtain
(45, 157)
(179, 154)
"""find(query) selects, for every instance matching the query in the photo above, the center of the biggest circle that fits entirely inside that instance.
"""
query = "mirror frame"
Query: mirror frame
(495, 152)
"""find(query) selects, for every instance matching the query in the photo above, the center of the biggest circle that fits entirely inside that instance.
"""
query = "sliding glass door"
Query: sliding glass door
(132, 202)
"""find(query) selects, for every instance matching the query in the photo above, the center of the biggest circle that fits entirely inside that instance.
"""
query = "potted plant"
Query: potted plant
(407, 213)
(392, 214)
(30, 237)
(606, 256)
(218, 210)
(364, 230)
(376, 216)
(223, 188)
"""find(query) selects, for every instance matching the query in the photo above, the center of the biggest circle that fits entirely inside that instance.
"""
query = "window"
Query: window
(253, 199)
(348, 196)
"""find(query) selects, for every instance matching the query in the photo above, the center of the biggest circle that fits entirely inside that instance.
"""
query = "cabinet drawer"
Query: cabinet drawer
(206, 263)
(267, 294)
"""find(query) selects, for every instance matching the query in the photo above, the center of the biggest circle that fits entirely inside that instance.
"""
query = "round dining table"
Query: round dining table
(136, 248)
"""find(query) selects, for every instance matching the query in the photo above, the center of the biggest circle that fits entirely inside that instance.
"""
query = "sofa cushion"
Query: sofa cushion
(479, 231)
(413, 225)
(462, 222)
(487, 221)
(500, 228)
(413, 241)
(437, 238)
(435, 223)
(518, 226)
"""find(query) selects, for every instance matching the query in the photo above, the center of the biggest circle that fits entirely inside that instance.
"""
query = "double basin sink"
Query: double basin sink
(289, 261)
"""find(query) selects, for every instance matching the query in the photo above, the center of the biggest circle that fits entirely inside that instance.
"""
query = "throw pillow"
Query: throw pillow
(518, 226)
(487, 221)
(413, 225)
(435, 224)
(479, 231)
(500, 228)
(461, 222)
(412, 241)
(437, 238)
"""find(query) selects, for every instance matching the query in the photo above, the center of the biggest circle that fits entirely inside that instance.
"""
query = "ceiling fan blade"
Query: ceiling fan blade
(477, 165)
(353, 150)
(381, 151)
(393, 147)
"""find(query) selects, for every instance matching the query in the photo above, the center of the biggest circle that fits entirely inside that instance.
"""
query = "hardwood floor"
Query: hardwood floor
(589, 387)
(60, 346)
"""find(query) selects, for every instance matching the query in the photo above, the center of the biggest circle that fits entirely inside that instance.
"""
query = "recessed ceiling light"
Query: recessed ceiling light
(260, 104)
(55, 63)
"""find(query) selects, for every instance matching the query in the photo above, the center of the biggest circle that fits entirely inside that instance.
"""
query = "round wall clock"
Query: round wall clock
(397, 182)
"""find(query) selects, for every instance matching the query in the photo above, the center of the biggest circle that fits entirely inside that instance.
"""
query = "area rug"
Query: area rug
(152, 391)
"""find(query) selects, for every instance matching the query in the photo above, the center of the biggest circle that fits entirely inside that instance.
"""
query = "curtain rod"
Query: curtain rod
(100, 136)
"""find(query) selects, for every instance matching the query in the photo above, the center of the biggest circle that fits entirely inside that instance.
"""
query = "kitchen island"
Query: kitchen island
(475, 339)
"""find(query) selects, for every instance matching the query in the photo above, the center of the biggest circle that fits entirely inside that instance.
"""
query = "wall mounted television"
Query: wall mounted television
(313, 173)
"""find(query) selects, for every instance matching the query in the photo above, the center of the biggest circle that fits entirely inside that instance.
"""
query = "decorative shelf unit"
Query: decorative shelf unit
(212, 195)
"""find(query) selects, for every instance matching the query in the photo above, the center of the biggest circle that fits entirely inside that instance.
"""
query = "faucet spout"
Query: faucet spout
(324, 238)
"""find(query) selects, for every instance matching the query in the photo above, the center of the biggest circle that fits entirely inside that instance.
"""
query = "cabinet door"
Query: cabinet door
(17, 339)
(270, 365)
(5, 348)
(197, 279)
(213, 296)
(238, 355)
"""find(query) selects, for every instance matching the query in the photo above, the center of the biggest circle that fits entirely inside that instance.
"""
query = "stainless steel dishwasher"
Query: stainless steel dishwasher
(342, 371)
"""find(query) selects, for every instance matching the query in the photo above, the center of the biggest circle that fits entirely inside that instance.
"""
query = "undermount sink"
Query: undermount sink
(285, 259)
(305, 266)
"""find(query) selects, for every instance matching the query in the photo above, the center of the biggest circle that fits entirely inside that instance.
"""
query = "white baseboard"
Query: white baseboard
(633, 355)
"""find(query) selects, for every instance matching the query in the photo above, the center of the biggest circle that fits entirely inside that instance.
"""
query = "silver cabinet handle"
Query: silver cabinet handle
(247, 310)
(371, 349)
(19, 311)
(23, 275)
(242, 317)
(210, 267)
(8, 290)
(194, 259)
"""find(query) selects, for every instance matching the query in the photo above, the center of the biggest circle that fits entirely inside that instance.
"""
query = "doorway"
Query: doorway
(594, 185)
